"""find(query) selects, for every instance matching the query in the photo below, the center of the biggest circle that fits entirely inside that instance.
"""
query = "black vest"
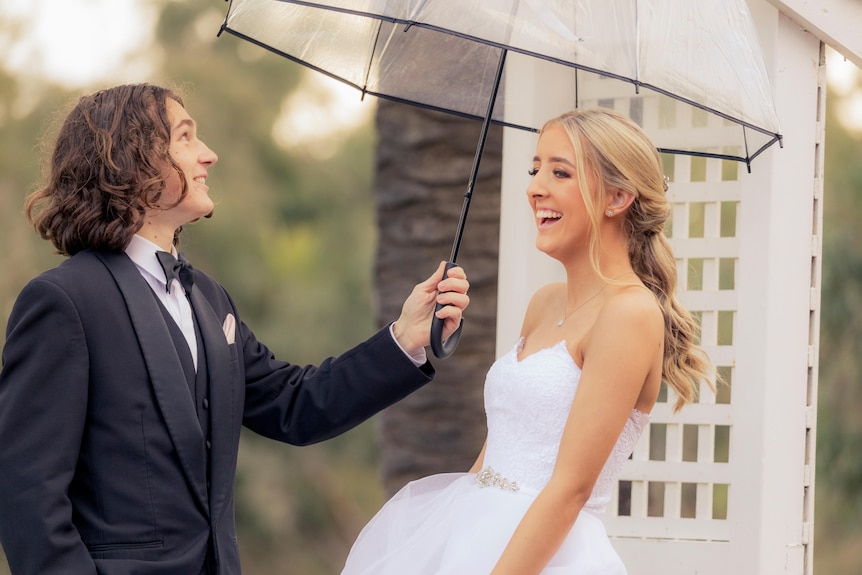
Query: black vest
(198, 382)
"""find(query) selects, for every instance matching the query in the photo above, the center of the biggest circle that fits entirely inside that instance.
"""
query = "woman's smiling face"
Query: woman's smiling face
(555, 195)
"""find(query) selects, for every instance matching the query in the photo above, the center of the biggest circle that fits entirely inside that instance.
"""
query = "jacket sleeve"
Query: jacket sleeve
(303, 405)
(43, 406)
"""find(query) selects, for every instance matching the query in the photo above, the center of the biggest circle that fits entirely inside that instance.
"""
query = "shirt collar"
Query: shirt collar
(143, 253)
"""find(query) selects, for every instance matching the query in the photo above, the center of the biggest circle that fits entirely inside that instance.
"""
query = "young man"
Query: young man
(127, 374)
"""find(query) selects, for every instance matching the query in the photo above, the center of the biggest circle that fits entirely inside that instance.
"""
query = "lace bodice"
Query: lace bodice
(527, 403)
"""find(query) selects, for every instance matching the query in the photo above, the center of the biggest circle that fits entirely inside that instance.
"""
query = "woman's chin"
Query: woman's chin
(544, 247)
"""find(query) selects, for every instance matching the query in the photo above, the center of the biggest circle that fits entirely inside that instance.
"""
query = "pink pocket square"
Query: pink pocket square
(229, 328)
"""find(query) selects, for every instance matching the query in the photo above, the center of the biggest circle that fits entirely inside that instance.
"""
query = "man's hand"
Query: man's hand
(412, 330)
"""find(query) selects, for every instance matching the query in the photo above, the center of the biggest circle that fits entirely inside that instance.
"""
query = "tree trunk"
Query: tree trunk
(423, 165)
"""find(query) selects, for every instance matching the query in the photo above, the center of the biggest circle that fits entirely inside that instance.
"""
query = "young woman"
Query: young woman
(567, 404)
(123, 388)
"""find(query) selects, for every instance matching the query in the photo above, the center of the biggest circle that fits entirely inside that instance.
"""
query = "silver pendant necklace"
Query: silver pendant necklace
(585, 302)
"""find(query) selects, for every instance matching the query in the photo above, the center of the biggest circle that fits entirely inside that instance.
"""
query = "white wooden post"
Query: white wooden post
(773, 437)
(725, 486)
(522, 268)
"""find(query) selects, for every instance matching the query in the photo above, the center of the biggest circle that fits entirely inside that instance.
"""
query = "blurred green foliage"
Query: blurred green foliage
(838, 504)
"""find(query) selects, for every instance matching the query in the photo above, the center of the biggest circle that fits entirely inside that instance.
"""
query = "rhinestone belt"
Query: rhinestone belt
(490, 478)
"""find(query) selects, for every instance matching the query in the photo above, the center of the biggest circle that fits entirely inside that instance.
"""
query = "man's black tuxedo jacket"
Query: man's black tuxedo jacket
(102, 457)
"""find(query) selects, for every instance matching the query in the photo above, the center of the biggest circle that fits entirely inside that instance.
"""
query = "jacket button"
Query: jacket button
(206, 403)
(209, 445)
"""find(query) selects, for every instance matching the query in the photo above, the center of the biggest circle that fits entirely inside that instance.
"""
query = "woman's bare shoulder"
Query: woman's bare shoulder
(633, 308)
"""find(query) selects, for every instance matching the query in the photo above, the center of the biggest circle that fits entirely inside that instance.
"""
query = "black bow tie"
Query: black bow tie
(176, 269)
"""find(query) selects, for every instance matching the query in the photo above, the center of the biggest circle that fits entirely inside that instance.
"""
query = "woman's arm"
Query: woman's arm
(477, 466)
(622, 353)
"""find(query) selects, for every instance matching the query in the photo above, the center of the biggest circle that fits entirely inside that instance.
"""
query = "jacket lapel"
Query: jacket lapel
(223, 427)
(165, 369)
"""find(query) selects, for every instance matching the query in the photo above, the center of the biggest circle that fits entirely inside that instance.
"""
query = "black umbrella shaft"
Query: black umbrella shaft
(480, 147)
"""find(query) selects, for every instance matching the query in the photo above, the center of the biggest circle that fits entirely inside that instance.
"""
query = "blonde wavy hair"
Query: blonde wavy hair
(622, 157)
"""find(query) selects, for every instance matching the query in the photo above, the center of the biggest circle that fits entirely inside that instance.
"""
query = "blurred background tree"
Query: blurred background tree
(423, 164)
(317, 260)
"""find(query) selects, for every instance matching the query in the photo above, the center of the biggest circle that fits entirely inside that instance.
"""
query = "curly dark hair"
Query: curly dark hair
(106, 169)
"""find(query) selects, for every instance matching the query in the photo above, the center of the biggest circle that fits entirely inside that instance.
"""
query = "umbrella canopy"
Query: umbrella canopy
(443, 55)
(651, 56)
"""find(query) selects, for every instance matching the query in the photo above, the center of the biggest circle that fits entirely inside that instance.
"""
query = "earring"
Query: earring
(609, 213)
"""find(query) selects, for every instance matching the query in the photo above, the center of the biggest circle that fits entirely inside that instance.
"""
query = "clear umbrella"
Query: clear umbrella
(451, 55)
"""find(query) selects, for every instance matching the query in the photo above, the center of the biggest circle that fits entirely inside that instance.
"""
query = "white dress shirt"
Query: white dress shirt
(143, 253)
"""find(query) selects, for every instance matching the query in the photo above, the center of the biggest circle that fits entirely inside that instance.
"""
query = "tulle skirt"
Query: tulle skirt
(449, 525)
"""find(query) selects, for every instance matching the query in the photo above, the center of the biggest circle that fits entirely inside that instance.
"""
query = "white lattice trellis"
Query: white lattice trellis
(677, 485)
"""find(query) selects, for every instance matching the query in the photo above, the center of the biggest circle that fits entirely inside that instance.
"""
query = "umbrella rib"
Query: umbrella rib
(371, 60)
(763, 148)
(233, 32)
(699, 154)
(411, 23)
(577, 90)
(638, 48)
(389, 97)
(347, 11)
(718, 113)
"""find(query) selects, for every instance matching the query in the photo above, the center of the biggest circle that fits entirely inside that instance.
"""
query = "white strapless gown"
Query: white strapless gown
(459, 523)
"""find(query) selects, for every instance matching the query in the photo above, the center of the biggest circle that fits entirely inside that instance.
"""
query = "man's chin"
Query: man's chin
(207, 216)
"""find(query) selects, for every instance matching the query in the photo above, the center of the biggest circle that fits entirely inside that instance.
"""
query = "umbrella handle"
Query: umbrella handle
(444, 349)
